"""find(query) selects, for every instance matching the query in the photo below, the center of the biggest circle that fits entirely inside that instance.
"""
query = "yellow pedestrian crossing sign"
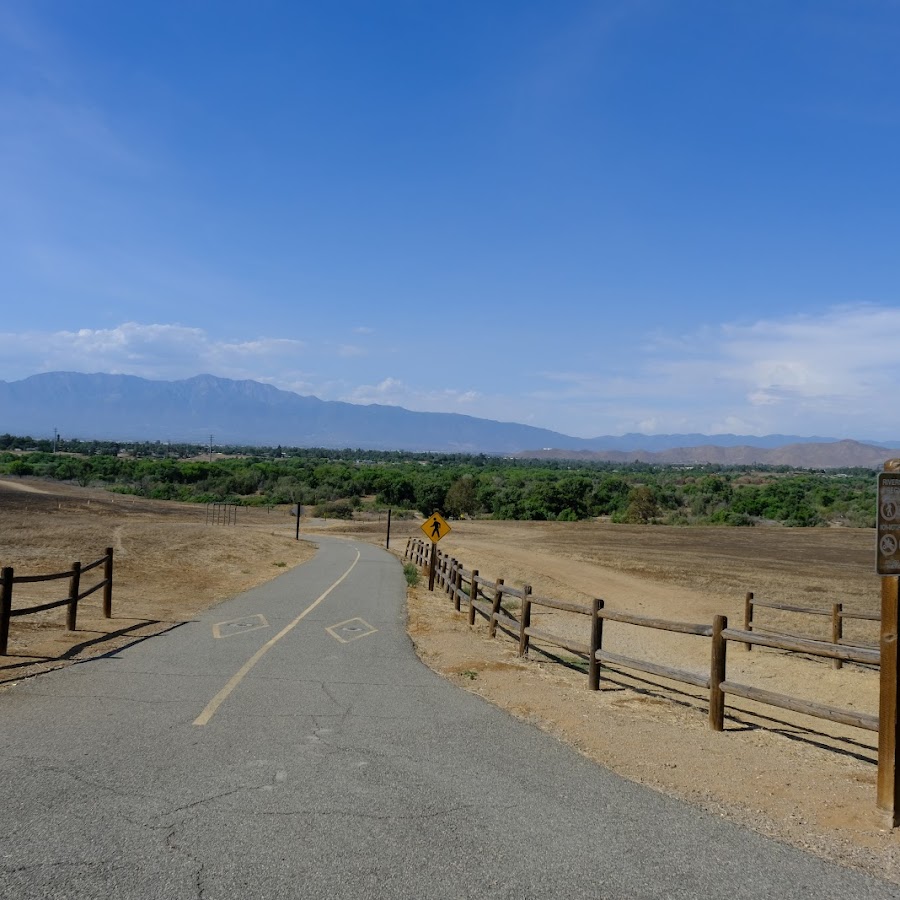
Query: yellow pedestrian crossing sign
(435, 527)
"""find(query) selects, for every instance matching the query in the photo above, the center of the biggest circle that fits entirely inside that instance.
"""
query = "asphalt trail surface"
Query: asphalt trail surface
(255, 753)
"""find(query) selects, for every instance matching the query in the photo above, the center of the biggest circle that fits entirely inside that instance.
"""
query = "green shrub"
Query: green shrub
(411, 574)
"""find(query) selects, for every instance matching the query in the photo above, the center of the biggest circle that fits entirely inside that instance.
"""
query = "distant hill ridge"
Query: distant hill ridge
(126, 407)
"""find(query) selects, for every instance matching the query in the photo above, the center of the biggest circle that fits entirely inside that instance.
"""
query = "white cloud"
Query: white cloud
(150, 351)
(830, 373)
(394, 392)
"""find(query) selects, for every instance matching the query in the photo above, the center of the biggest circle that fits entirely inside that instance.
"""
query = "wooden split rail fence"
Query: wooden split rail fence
(486, 596)
(221, 514)
(837, 614)
(8, 579)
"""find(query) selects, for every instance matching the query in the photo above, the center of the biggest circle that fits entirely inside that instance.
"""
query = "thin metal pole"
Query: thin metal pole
(5, 608)
(107, 588)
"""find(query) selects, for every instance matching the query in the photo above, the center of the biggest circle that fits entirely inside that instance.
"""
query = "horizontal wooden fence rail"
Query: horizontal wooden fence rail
(650, 668)
(8, 579)
(721, 686)
(837, 614)
(527, 631)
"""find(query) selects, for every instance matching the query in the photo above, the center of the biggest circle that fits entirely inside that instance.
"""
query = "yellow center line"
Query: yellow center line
(238, 676)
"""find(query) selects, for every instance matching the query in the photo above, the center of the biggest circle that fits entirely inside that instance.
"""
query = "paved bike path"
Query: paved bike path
(256, 753)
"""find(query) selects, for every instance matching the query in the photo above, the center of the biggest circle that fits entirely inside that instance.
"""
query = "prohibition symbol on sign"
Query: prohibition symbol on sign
(435, 527)
(888, 544)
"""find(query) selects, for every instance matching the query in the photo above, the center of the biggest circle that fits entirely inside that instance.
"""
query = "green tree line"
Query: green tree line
(338, 482)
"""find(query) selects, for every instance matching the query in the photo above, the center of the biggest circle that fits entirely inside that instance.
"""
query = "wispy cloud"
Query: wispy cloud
(395, 392)
(831, 372)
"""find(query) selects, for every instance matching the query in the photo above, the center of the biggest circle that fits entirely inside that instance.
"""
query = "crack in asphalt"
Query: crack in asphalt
(199, 865)
(62, 864)
(79, 779)
(203, 801)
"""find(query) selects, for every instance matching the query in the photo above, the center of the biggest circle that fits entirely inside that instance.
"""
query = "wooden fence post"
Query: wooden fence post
(495, 607)
(596, 644)
(526, 620)
(107, 588)
(406, 551)
(74, 583)
(473, 596)
(837, 630)
(748, 617)
(717, 675)
(5, 607)
(888, 784)
(457, 596)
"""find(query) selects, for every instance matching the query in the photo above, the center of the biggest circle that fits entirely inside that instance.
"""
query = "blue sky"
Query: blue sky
(597, 217)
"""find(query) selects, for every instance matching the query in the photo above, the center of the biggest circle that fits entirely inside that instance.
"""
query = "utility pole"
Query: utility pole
(210, 448)
(55, 436)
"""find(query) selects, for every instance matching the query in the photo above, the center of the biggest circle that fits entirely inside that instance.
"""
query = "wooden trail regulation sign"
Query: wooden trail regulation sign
(435, 527)
(888, 547)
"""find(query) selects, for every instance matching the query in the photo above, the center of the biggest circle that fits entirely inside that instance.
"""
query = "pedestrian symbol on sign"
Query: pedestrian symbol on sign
(435, 527)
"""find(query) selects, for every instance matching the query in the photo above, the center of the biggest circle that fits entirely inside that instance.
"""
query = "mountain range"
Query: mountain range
(126, 407)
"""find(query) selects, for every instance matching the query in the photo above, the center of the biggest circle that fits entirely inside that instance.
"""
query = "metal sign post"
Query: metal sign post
(888, 566)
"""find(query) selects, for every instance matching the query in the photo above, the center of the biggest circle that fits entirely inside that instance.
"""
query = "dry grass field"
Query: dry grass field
(803, 780)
